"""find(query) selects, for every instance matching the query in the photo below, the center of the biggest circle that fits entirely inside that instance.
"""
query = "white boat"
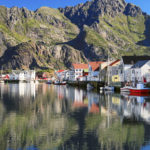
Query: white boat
(125, 89)
(60, 83)
(109, 88)
(49, 82)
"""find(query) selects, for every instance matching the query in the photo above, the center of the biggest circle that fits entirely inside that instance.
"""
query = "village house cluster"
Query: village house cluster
(126, 69)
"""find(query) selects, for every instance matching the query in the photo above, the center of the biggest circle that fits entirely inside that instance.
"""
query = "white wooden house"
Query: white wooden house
(125, 65)
(77, 72)
(141, 71)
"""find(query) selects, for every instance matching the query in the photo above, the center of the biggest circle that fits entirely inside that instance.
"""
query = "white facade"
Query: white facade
(139, 73)
(93, 75)
(75, 74)
(71, 75)
(78, 72)
(124, 72)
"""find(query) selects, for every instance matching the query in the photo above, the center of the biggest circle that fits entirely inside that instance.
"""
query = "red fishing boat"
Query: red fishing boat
(140, 89)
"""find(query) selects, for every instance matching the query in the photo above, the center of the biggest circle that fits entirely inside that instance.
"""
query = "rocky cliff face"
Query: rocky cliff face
(54, 38)
(47, 28)
(36, 56)
(88, 13)
(113, 27)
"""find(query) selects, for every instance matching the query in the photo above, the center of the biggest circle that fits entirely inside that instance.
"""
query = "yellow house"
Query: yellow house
(115, 78)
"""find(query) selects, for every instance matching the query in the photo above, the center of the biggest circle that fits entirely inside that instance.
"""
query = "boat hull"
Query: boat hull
(109, 88)
(139, 90)
(125, 90)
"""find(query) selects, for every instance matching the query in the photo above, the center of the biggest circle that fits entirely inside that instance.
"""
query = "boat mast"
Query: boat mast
(108, 69)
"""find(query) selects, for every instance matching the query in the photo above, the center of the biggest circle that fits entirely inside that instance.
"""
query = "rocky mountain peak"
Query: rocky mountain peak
(132, 10)
(89, 12)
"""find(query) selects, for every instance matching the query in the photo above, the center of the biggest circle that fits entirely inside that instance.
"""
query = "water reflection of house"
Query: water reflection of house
(136, 108)
(79, 97)
(61, 90)
(28, 75)
(22, 89)
(93, 102)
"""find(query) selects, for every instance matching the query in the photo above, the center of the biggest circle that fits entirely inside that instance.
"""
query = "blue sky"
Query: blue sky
(34, 4)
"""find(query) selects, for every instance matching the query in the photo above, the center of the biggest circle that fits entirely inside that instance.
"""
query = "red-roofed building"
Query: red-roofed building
(95, 65)
(59, 71)
(62, 74)
(78, 71)
(93, 74)
(112, 68)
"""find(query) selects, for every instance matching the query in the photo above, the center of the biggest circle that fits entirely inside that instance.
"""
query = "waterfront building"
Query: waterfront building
(71, 75)
(140, 72)
(114, 71)
(60, 74)
(125, 65)
(78, 71)
(110, 68)
(93, 71)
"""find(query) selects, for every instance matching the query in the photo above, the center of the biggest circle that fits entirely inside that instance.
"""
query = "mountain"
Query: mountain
(36, 39)
(55, 38)
(108, 26)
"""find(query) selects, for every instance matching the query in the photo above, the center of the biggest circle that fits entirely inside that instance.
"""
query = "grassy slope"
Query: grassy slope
(120, 33)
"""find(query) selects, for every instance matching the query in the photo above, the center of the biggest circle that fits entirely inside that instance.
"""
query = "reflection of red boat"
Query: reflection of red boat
(139, 89)
(139, 94)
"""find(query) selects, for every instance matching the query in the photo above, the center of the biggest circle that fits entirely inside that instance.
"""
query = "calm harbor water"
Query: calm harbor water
(48, 117)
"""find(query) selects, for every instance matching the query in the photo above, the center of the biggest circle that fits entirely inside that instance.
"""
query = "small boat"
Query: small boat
(140, 88)
(60, 83)
(109, 88)
(49, 82)
(125, 89)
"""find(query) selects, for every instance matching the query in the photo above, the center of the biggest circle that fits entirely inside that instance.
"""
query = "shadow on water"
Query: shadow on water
(81, 140)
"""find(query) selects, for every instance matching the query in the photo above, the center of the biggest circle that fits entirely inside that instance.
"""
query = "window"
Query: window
(133, 71)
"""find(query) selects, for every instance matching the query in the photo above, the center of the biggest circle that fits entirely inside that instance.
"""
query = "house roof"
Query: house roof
(114, 62)
(59, 71)
(80, 66)
(130, 60)
(139, 64)
(95, 65)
